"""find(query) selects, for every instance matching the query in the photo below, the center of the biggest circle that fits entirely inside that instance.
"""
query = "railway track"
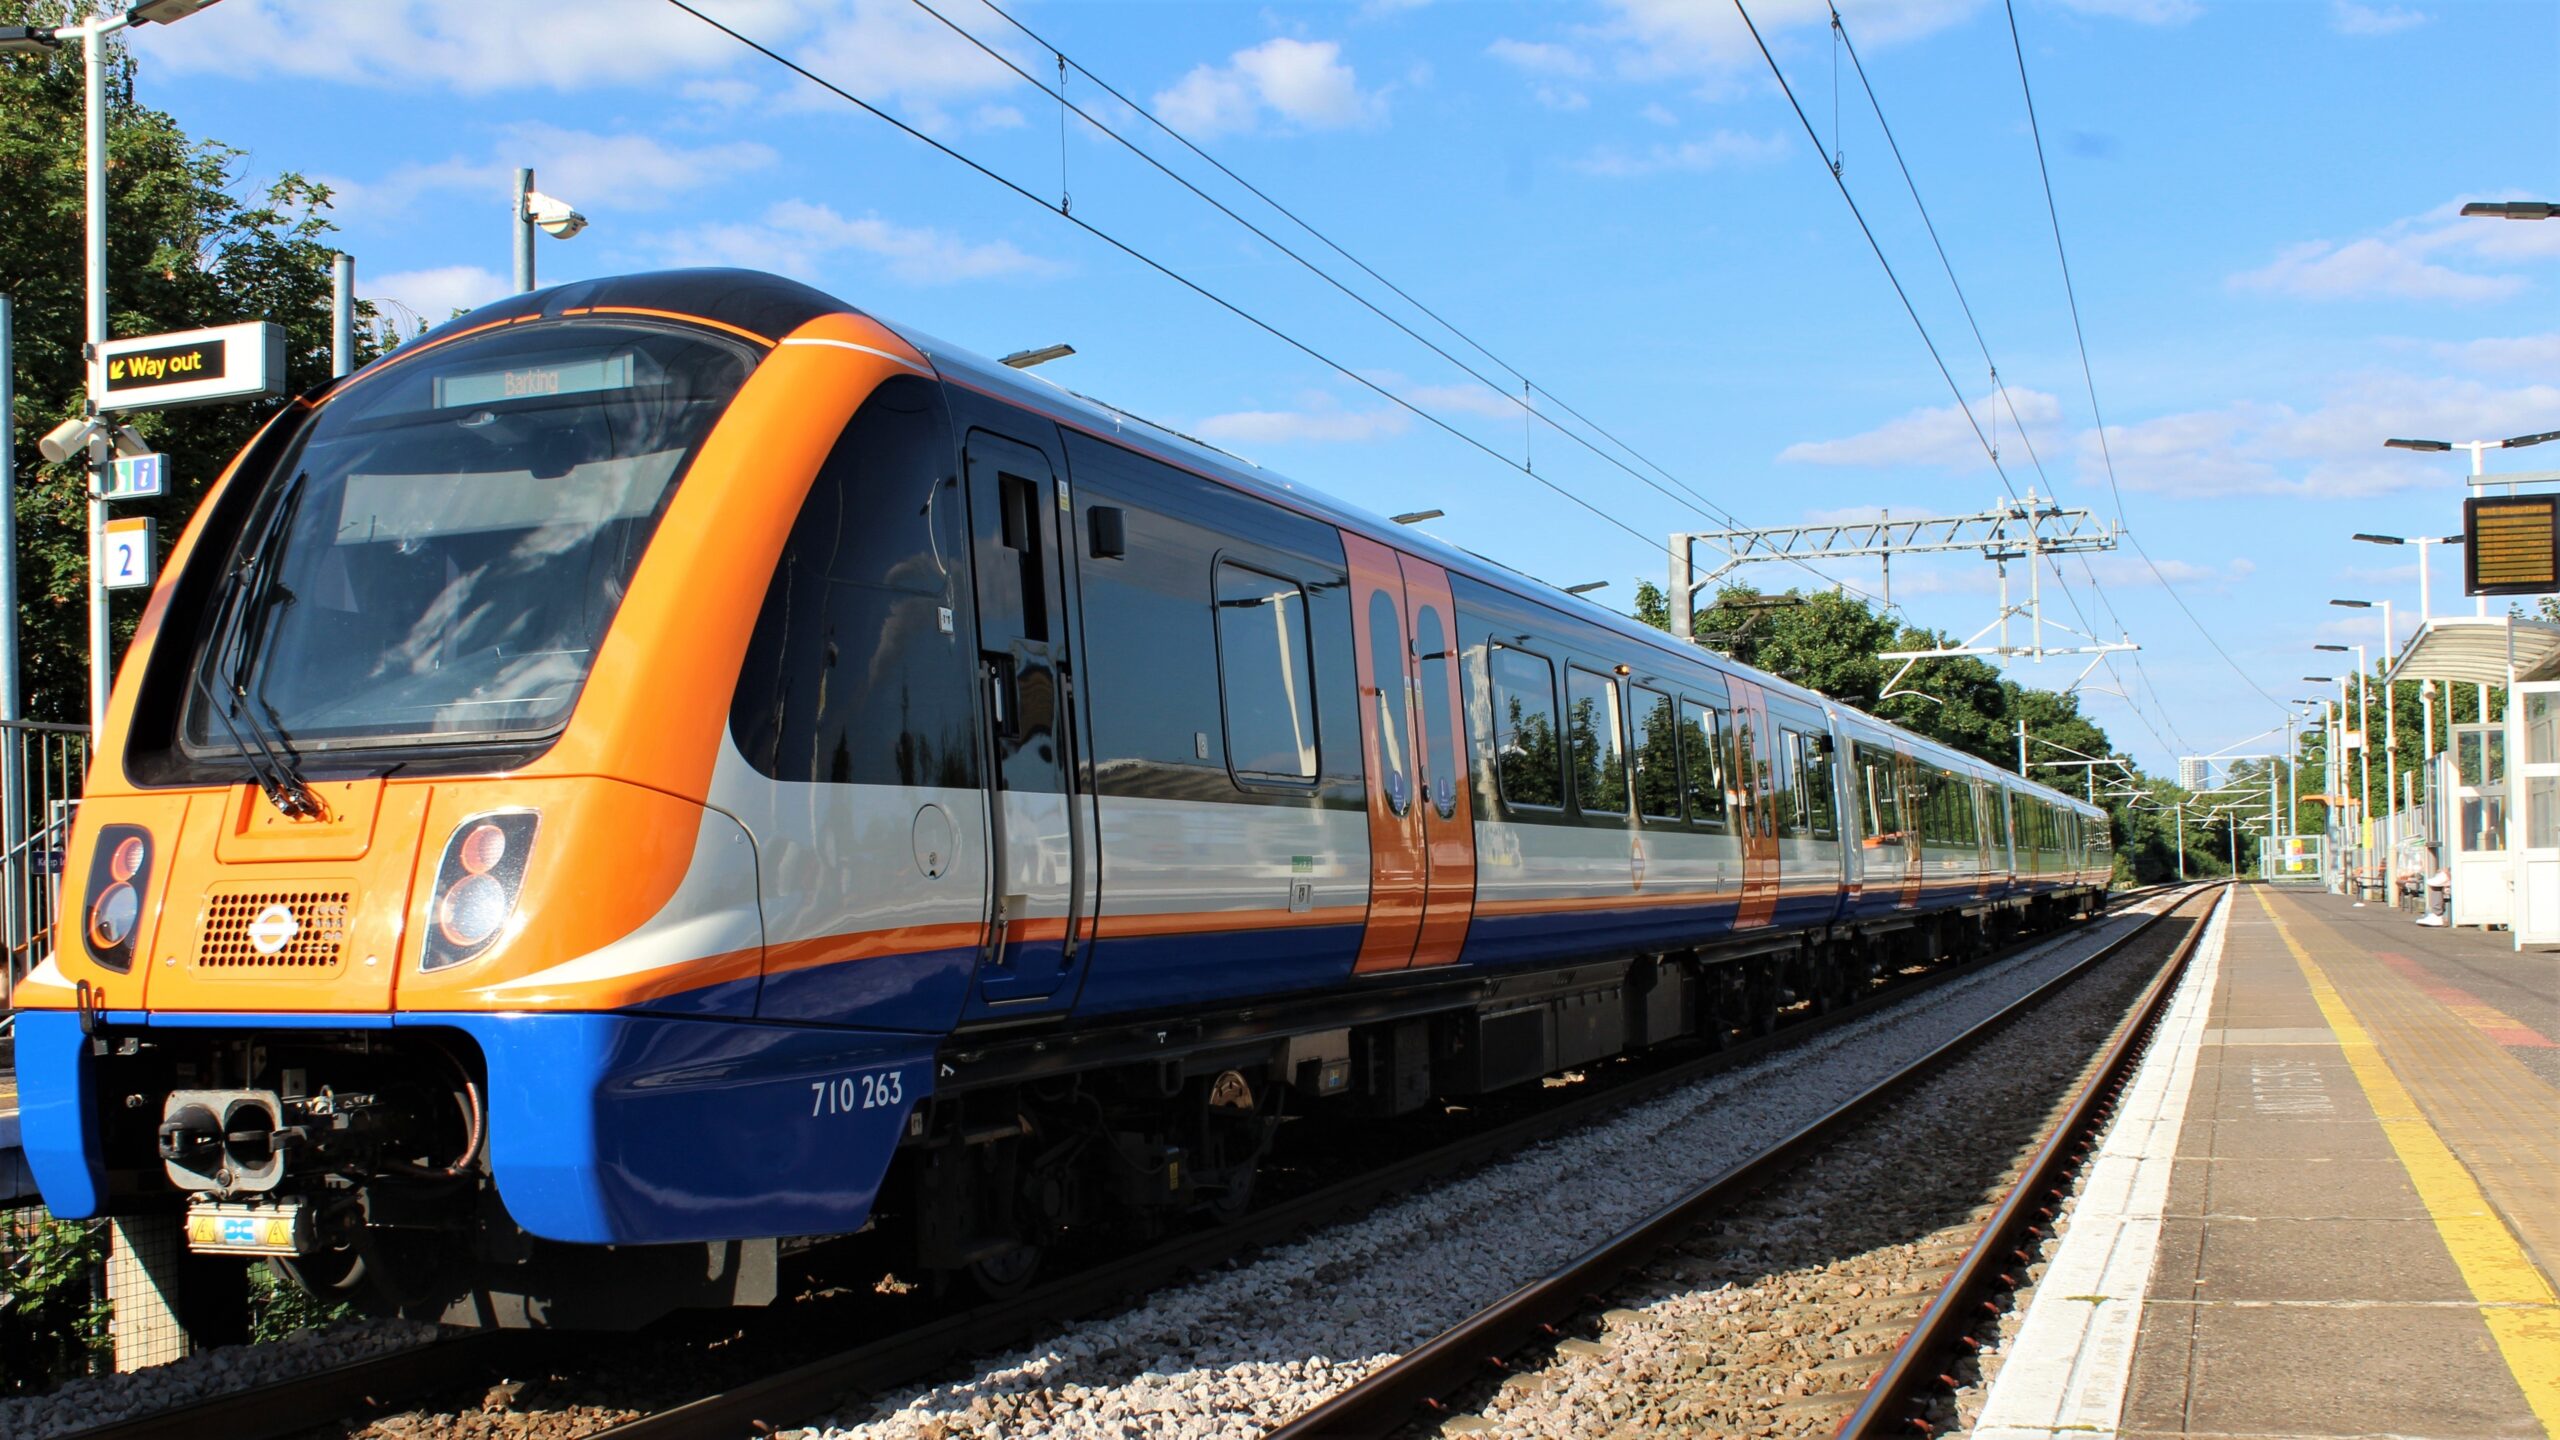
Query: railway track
(1413, 1387)
(320, 1401)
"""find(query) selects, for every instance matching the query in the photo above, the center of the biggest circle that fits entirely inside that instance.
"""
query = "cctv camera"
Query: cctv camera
(554, 216)
(129, 443)
(68, 439)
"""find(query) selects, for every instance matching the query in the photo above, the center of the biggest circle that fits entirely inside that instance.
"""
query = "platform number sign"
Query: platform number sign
(130, 554)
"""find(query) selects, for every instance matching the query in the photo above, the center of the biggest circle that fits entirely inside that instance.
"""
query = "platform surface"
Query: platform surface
(2363, 1220)
(2359, 1229)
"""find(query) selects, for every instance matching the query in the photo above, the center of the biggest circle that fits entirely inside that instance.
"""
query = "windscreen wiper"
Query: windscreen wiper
(237, 629)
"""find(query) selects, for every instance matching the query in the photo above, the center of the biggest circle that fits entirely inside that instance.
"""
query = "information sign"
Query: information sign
(139, 477)
(131, 553)
(190, 367)
(2511, 545)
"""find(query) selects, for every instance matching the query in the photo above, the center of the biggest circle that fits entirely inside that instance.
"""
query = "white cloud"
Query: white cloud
(433, 295)
(2537, 354)
(1540, 57)
(1559, 97)
(1715, 152)
(473, 49)
(2404, 260)
(591, 171)
(2361, 269)
(1322, 424)
(1666, 39)
(1467, 399)
(799, 238)
(1658, 113)
(1303, 82)
(2349, 18)
(2330, 451)
(891, 52)
(1936, 435)
(2141, 12)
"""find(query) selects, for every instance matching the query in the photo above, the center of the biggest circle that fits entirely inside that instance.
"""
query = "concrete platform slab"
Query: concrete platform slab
(2359, 1232)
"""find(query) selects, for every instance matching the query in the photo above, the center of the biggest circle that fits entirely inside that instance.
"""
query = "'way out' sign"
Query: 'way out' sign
(190, 367)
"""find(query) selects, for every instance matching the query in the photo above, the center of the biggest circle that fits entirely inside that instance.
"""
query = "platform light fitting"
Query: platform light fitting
(165, 12)
(1025, 359)
(556, 217)
(2353, 604)
(2321, 680)
(2417, 444)
(2337, 649)
(28, 40)
(2511, 209)
(2378, 539)
(2518, 442)
(1416, 517)
(1586, 587)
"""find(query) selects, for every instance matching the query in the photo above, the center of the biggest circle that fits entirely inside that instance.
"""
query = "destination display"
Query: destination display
(190, 367)
(2511, 545)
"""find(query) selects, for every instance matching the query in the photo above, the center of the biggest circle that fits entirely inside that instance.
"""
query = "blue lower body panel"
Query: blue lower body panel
(614, 1129)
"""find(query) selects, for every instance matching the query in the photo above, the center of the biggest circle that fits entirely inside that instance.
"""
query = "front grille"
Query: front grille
(236, 922)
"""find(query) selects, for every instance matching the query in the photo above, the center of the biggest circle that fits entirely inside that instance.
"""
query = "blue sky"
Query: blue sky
(2259, 200)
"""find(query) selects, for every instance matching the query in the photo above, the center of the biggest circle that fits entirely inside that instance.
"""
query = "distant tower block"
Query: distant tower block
(2195, 772)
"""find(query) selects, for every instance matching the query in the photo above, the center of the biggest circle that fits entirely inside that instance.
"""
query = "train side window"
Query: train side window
(1387, 697)
(1599, 743)
(1702, 765)
(1264, 677)
(1441, 773)
(1527, 762)
(1791, 758)
(1819, 805)
(1657, 752)
(1774, 775)
(852, 675)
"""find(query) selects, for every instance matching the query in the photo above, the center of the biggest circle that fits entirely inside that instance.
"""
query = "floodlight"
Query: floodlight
(1025, 359)
(554, 216)
(164, 12)
(69, 439)
(2511, 209)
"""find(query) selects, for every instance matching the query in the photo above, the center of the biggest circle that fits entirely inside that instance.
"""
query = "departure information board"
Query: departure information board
(2511, 545)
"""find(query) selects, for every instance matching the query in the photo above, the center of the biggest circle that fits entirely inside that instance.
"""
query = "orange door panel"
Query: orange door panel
(1752, 742)
(1398, 873)
(1444, 801)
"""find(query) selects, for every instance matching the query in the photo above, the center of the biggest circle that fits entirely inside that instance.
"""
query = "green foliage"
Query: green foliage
(280, 1309)
(53, 1308)
(189, 243)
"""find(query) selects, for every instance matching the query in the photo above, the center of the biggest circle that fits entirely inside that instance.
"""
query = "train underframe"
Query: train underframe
(357, 1160)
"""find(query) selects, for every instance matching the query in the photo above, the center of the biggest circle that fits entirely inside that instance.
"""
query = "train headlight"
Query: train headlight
(119, 878)
(476, 886)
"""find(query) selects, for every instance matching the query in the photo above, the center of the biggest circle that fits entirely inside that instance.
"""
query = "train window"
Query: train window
(1791, 756)
(1772, 780)
(1387, 699)
(1440, 746)
(1819, 805)
(850, 676)
(1526, 760)
(1599, 743)
(1702, 763)
(1657, 752)
(1263, 676)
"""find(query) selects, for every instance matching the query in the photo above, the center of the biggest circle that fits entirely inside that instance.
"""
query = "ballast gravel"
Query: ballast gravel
(1242, 1351)
(101, 1399)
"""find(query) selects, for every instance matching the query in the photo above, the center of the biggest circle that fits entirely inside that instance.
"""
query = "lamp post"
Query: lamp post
(92, 33)
(2424, 543)
(2332, 785)
(2390, 751)
(2364, 750)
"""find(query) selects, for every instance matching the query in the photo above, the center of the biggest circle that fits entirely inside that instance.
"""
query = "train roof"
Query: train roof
(773, 306)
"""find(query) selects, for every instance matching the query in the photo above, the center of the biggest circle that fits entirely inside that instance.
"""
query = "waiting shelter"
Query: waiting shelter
(2496, 786)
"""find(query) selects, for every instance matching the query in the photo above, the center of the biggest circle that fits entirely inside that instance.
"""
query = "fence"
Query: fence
(41, 771)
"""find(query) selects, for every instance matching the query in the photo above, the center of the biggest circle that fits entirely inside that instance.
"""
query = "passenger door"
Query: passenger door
(1412, 746)
(1755, 759)
(1039, 850)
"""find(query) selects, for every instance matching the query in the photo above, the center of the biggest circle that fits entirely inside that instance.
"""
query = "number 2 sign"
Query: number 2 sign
(130, 554)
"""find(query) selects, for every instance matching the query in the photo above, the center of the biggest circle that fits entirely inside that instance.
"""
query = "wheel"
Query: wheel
(1006, 1273)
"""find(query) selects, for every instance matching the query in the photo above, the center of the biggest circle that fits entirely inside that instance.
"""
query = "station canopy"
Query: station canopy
(2480, 650)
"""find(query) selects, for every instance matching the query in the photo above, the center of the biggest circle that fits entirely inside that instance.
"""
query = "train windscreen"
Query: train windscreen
(438, 556)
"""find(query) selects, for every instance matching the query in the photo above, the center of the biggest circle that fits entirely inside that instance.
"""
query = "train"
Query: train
(664, 773)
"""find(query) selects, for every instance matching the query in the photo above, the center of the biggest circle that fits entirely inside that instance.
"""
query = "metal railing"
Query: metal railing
(42, 768)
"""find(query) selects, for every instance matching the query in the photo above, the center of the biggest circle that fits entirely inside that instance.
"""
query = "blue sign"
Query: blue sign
(139, 477)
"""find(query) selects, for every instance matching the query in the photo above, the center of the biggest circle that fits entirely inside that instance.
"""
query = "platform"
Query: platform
(2333, 1205)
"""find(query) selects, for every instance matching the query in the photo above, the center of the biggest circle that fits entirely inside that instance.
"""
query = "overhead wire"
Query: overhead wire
(1690, 498)
(1161, 268)
(2088, 375)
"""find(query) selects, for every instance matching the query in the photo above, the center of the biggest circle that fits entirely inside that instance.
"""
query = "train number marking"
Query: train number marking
(848, 1093)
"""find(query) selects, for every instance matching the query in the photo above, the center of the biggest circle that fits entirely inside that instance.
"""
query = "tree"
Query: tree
(184, 249)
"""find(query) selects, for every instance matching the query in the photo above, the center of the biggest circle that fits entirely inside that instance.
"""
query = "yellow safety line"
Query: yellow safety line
(2517, 1302)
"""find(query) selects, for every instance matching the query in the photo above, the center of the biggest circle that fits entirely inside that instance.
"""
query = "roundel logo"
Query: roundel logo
(273, 930)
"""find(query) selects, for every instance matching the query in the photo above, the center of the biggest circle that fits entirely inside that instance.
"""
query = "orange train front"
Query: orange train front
(672, 762)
